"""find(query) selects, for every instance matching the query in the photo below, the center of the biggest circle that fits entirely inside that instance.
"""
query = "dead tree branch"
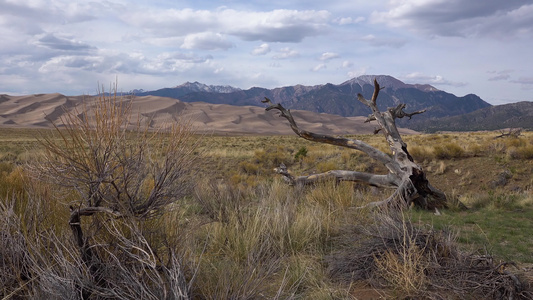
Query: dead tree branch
(513, 132)
(404, 175)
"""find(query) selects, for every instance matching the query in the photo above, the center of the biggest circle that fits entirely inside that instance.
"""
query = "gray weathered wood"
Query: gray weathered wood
(404, 175)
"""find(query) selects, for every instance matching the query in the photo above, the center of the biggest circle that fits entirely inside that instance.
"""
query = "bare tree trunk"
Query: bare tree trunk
(88, 256)
(405, 176)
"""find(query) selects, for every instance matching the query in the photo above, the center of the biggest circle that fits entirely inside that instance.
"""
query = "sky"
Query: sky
(482, 47)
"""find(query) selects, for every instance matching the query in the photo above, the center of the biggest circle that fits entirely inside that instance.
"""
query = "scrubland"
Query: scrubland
(240, 232)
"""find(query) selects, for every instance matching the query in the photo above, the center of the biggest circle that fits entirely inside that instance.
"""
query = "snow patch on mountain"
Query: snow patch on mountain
(200, 87)
(387, 81)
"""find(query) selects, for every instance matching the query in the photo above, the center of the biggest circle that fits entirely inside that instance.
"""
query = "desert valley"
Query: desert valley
(200, 192)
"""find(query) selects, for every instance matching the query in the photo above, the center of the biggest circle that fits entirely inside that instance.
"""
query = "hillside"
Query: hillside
(40, 110)
(513, 115)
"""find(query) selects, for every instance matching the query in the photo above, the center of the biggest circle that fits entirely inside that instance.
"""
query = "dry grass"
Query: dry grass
(409, 261)
(404, 267)
(243, 234)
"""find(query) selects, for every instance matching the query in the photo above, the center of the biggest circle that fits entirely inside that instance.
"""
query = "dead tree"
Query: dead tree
(405, 176)
(513, 133)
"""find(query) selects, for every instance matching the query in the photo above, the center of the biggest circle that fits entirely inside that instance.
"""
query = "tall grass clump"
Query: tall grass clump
(406, 260)
(267, 245)
(448, 151)
(421, 152)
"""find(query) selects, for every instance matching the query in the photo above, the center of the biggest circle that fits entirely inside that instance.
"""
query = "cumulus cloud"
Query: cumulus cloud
(459, 17)
(347, 64)
(261, 50)
(418, 77)
(59, 43)
(124, 63)
(285, 53)
(328, 56)
(43, 12)
(348, 20)
(279, 25)
(319, 67)
(357, 72)
(206, 41)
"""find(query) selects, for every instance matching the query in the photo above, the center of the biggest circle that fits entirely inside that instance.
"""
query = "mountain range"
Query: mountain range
(334, 108)
(512, 115)
(444, 111)
(334, 99)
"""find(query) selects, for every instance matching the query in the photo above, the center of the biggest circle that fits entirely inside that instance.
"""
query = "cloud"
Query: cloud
(357, 72)
(459, 17)
(500, 75)
(525, 82)
(206, 41)
(348, 20)
(420, 78)
(319, 67)
(383, 42)
(279, 25)
(261, 50)
(347, 64)
(328, 56)
(56, 43)
(285, 53)
(45, 12)
(112, 63)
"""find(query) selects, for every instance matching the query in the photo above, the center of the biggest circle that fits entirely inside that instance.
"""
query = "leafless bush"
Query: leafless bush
(13, 253)
(417, 262)
(123, 175)
(111, 160)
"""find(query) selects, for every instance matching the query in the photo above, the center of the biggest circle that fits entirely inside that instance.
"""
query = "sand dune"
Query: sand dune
(40, 110)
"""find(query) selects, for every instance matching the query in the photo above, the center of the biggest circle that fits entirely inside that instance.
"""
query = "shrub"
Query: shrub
(302, 152)
(249, 168)
(419, 263)
(421, 152)
(522, 152)
(448, 151)
(475, 149)
(124, 175)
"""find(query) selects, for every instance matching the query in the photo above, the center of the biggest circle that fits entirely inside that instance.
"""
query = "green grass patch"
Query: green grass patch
(504, 231)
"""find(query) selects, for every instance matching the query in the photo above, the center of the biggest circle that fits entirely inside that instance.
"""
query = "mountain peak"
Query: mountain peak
(200, 87)
(387, 81)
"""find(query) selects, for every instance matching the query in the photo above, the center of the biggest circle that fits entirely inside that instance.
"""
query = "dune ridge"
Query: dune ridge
(43, 109)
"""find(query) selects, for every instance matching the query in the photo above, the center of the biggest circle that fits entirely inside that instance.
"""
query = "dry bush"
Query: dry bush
(448, 151)
(394, 254)
(41, 262)
(122, 175)
(272, 157)
(421, 152)
(13, 253)
(113, 161)
(521, 152)
(404, 267)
